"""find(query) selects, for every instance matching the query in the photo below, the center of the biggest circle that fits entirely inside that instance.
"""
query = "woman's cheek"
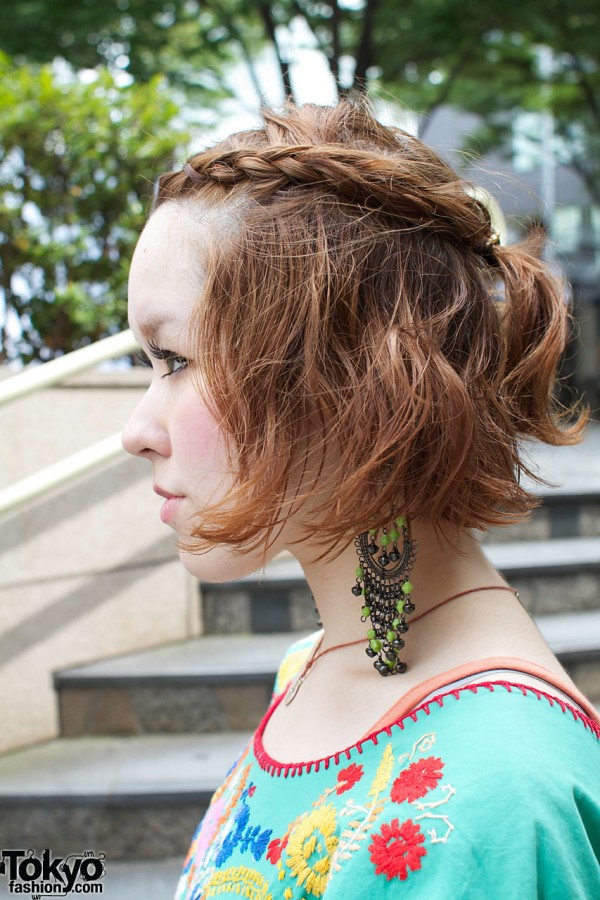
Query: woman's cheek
(202, 451)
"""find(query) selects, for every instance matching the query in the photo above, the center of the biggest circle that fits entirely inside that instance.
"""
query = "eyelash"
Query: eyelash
(167, 356)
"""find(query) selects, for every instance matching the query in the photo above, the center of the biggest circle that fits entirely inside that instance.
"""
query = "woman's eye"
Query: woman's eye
(175, 364)
(172, 360)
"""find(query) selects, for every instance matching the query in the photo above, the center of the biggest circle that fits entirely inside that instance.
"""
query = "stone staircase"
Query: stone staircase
(145, 738)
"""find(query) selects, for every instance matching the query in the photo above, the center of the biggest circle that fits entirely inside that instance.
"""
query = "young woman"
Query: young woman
(345, 359)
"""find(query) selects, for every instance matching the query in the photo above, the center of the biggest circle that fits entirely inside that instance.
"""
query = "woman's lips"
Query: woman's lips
(169, 507)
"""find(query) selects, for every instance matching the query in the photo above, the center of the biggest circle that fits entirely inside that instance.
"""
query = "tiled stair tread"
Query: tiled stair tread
(117, 770)
(528, 557)
(198, 659)
(211, 659)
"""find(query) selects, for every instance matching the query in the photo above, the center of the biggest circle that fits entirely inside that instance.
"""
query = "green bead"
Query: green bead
(372, 532)
(394, 534)
(375, 645)
(396, 622)
(400, 521)
(400, 605)
(366, 612)
(389, 663)
(407, 587)
(385, 539)
(371, 633)
(366, 591)
(359, 572)
(391, 636)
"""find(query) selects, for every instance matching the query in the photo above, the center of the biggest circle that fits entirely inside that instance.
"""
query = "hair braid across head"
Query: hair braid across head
(401, 187)
(348, 324)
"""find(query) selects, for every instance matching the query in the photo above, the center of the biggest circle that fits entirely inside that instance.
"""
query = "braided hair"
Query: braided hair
(358, 310)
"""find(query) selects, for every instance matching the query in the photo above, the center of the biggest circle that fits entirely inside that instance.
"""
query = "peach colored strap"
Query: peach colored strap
(417, 694)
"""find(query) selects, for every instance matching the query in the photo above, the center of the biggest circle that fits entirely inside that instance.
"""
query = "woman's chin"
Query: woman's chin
(220, 564)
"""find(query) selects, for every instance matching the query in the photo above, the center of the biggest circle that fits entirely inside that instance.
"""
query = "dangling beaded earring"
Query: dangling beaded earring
(382, 582)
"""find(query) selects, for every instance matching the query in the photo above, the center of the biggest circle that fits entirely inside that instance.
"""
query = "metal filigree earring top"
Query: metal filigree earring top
(385, 558)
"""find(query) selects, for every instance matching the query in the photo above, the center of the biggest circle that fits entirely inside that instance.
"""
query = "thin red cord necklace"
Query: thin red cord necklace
(315, 657)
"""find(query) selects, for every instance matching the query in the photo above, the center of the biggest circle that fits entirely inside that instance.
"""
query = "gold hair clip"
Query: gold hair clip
(493, 239)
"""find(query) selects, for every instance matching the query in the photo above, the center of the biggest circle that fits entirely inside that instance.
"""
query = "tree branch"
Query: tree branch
(227, 19)
(332, 54)
(266, 13)
(364, 53)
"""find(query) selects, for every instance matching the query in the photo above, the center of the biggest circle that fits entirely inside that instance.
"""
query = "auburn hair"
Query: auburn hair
(358, 302)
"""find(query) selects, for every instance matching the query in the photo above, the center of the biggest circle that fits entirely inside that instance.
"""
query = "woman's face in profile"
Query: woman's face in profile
(173, 426)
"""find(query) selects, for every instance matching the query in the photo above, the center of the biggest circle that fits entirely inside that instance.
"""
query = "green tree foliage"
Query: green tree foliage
(483, 57)
(77, 163)
(185, 41)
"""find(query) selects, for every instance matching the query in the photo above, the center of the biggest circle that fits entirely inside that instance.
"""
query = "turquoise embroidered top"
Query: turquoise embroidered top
(490, 791)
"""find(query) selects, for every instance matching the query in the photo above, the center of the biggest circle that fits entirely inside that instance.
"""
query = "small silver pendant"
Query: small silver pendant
(293, 690)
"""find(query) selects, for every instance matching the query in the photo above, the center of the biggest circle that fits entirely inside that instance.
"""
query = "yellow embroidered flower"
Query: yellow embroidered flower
(238, 880)
(310, 846)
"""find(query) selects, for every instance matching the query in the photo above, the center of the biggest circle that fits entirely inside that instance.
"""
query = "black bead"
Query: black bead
(357, 590)
(394, 555)
(409, 607)
(401, 668)
(398, 644)
(370, 652)
(402, 627)
(390, 654)
(373, 548)
(383, 559)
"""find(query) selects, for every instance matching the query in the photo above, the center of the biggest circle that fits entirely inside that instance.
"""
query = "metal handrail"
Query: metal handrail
(36, 377)
(60, 473)
(79, 463)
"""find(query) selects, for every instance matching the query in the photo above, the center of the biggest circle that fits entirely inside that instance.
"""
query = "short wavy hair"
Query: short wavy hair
(359, 303)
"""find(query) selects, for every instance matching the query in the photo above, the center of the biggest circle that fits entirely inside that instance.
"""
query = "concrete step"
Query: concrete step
(212, 684)
(181, 688)
(140, 797)
(130, 798)
(559, 575)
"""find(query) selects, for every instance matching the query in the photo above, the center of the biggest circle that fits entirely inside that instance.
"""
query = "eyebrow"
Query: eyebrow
(152, 326)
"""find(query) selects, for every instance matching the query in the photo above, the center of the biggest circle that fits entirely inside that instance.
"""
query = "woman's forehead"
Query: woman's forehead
(166, 271)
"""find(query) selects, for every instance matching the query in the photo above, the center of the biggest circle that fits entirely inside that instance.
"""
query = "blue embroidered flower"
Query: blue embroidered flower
(243, 835)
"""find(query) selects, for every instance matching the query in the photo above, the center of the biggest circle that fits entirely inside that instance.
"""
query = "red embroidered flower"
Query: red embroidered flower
(252, 790)
(420, 777)
(396, 849)
(347, 778)
(275, 849)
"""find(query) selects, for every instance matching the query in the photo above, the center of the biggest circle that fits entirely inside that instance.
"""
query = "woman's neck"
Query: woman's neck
(443, 567)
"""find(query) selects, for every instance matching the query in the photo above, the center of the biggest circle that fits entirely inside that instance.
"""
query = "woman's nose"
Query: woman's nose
(146, 432)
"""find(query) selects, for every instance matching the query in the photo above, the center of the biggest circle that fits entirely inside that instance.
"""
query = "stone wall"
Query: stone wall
(88, 571)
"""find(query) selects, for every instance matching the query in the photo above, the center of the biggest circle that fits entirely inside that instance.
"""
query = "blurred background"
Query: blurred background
(97, 98)
(127, 688)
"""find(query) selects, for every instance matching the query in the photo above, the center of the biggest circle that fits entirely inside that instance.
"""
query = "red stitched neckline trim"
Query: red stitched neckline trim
(273, 767)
